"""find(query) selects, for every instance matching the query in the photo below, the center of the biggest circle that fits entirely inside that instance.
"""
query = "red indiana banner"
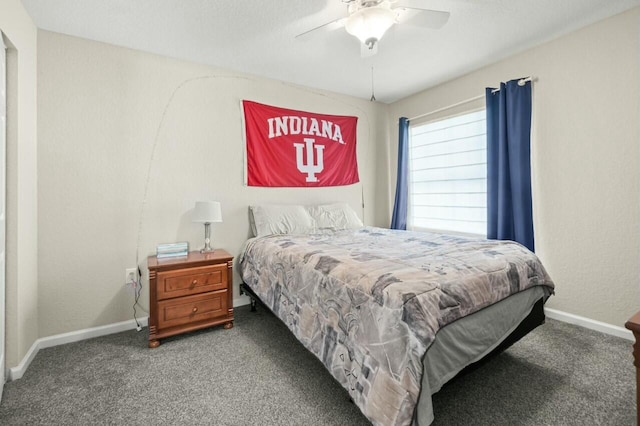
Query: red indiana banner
(297, 148)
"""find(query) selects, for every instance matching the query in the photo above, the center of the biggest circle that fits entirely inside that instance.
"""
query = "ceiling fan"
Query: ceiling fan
(368, 20)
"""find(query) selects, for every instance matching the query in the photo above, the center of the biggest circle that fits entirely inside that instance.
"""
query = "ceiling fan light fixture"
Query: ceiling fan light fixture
(369, 24)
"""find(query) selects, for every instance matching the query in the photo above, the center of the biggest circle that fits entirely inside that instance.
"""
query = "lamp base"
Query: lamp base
(207, 239)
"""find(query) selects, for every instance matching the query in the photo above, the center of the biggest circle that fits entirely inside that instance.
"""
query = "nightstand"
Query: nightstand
(634, 325)
(189, 293)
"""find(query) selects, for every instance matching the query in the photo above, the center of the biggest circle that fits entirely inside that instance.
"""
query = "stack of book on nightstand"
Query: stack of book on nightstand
(172, 250)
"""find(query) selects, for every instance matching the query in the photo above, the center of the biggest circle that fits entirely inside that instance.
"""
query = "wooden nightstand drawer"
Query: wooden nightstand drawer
(188, 293)
(192, 309)
(192, 281)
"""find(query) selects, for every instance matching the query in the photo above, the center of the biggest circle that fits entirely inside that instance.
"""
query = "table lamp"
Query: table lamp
(207, 212)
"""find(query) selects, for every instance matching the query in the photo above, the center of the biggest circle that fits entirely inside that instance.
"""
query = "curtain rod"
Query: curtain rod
(521, 82)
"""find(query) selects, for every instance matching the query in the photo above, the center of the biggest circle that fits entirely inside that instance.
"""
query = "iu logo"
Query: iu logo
(311, 167)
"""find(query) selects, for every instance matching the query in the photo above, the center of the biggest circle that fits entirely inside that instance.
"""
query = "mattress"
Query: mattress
(370, 302)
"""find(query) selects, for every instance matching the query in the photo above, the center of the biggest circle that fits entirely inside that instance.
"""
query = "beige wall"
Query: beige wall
(22, 226)
(586, 160)
(101, 109)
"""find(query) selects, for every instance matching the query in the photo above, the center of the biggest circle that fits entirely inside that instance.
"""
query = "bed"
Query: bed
(393, 315)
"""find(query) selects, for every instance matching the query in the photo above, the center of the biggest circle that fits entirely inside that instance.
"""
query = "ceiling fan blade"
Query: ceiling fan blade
(365, 52)
(324, 28)
(425, 18)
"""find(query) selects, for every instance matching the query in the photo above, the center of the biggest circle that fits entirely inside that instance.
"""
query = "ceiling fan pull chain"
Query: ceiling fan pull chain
(373, 96)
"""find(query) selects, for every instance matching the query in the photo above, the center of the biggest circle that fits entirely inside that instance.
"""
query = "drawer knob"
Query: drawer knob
(194, 282)
(195, 309)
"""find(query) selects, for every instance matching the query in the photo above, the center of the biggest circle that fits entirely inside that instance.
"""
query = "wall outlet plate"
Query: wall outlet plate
(131, 277)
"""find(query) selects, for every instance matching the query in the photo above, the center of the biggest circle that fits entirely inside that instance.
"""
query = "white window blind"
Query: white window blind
(448, 175)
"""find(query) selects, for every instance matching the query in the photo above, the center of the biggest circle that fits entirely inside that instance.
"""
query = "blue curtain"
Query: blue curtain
(509, 211)
(399, 219)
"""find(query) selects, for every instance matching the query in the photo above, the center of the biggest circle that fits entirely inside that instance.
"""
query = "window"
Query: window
(448, 175)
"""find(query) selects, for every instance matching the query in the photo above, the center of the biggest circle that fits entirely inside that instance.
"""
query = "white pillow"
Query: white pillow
(334, 216)
(281, 219)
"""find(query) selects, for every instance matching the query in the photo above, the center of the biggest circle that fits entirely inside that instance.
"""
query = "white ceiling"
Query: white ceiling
(257, 36)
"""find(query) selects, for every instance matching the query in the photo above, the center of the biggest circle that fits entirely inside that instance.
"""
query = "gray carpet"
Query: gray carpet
(258, 374)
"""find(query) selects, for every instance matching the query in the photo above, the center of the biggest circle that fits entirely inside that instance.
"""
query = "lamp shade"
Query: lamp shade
(369, 24)
(207, 212)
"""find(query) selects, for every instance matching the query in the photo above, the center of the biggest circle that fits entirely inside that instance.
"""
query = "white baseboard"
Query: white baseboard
(4, 375)
(15, 373)
(18, 371)
(241, 301)
(602, 327)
